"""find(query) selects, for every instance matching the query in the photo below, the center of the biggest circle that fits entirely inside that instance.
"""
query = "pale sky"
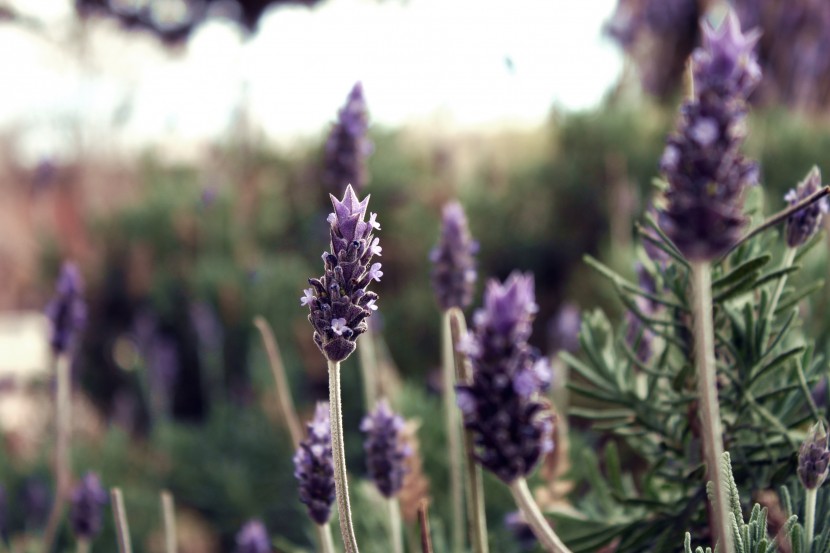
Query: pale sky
(421, 61)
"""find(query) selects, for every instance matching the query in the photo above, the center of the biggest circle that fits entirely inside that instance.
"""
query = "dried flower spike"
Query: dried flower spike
(502, 406)
(702, 162)
(813, 458)
(253, 538)
(802, 224)
(453, 262)
(87, 503)
(314, 467)
(386, 452)
(67, 310)
(338, 301)
(347, 146)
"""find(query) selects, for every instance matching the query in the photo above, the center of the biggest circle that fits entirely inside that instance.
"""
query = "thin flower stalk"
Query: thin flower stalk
(339, 454)
(810, 516)
(63, 454)
(122, 526)
(395, 527)
(544, 533)
(168, 509)
(453, 428)
(423, 519)
(473, 484)
(82, 545)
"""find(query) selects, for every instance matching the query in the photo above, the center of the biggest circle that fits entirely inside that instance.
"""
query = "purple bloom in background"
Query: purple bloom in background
(563, 329)
(67, 310)
(502, 406)
(314, 467)
(702, 162)
(803, 224)
(657, 255)
(347, 146)
(253, 538)
(385, 452)
(453, 261)
(638, 336)
(338, 301)
(521, 530)
(87, 502)
(814, 457)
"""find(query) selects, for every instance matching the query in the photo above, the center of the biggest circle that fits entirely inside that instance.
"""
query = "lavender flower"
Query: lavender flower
(523, 533)
(502, 406)
(385, 450)
(657, 255)
(338, 301)
(88, 499)
(563, 329)
(814, 457)
(802, 224)
(347, 146)
(638, 336)
(253, 538)
(314, 467)
(453, 271)
(67, 310)
(702, 162)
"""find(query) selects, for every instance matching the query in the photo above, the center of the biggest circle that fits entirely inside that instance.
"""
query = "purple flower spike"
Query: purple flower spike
(67, 310)
(347, 146)
(453, 270)
(512, 426)
(813, 458)
(88, 500)
(385, 452)
(702, 162)
(314, 467)
(805, 222)
(338, 301)
(253, 538)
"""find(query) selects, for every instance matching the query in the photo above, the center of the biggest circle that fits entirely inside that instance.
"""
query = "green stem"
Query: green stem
(82, 545)
(810, 516)
(789, 257)
(324, 538)
(168, 510)
(476, 517)
(63, 460)
(367, 355)
(709, 408)
(453, 434)
(339, 455)
(544, 533)
(122, 527)
(395, 528)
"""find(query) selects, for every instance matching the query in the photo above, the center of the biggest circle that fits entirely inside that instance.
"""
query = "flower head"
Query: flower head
(702, 162)
(453, 270)
(814, 457)
(314, 467)
(802, 224)
(338, 301)
(502, 406)
(87, 503)
(253, 538)
(67, 310)
(348, 146)
(385, 451)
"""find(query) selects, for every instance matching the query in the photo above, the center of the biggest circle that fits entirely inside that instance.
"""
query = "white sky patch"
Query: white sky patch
(465, 63)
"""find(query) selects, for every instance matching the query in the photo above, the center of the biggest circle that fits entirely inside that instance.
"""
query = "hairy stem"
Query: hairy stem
(709, 408)
(453, 434)
(324, 538)
(810, 516)
(476, 518)
(286, 404)
(544, 533)
(168, 510)
(339, 453)
(122, 527)
(367, 355)
(395, 528)
(63, 458)
(423, 519)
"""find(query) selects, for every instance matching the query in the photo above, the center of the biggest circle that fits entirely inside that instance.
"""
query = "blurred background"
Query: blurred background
(175, 150)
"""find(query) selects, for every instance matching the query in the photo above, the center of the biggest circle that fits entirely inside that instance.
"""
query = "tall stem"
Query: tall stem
(423, 519)
(286, 404)
(82, 545)
(122, 527)
(324, 538)
(709, 408)
(339, 454)
(368, 357)
(395, 528)
(476, 517)
(168, 510)
(63, 461)
(544, 533)
(810, 515)
(453, 434)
